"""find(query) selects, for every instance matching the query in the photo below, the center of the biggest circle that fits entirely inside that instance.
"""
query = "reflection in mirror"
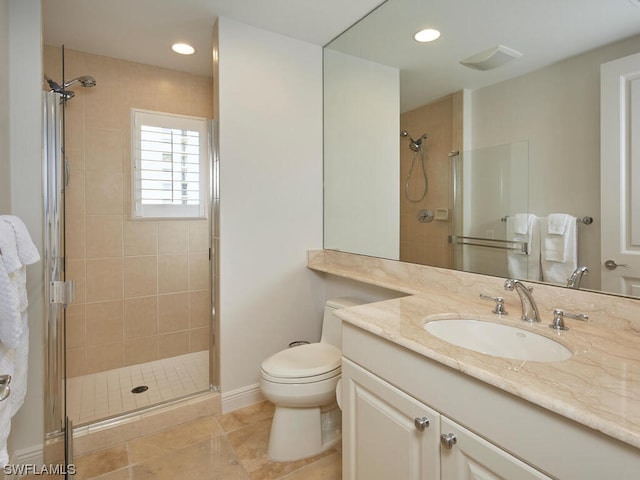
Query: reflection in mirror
(541, 111)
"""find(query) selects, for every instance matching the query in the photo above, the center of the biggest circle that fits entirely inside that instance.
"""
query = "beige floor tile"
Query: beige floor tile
(213, 459)
(246, 416)
(101, 462)
(164, 443)
(250, 444)
(327, 468)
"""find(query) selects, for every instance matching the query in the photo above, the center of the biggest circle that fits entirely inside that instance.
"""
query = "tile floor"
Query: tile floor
(107, 394)
(222, 447)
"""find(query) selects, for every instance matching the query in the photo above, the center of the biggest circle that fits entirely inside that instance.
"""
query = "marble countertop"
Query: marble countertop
(599, 386)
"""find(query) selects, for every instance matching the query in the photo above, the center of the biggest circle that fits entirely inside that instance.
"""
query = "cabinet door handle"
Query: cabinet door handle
(421, 423)
(448, 440)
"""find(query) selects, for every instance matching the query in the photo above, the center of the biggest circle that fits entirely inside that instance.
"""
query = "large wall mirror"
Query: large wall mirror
(506, 146)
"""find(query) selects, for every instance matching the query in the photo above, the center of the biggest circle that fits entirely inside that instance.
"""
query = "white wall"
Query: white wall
(25, 80)
(270, 113)
(361, 156)
(5, 176)
(557, 109)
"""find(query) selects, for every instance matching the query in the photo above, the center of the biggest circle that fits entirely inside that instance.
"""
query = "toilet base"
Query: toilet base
(298, 433)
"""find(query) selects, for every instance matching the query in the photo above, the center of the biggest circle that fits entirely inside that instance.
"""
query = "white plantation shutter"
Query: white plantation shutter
(170, 158)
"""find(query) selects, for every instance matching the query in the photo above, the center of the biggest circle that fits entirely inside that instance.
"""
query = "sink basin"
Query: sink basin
(498, 340)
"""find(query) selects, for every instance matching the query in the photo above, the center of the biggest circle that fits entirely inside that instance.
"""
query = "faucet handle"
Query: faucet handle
(558, 318)
(499, 310)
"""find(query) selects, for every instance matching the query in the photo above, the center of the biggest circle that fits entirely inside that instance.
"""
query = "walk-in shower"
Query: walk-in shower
(138, 332)
(418, 151)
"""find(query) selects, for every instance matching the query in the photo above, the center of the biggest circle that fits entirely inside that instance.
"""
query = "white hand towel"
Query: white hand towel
(559, 251)
(19, 380)
(11, 323)
(524, 227)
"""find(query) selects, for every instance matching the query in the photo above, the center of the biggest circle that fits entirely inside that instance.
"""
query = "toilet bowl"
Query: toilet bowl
(301, 382)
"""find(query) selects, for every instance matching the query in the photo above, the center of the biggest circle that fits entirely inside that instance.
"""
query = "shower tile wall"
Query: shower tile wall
(427, 243)
(142, 289)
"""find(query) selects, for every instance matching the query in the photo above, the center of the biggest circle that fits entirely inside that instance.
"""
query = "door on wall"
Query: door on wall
(620, 175)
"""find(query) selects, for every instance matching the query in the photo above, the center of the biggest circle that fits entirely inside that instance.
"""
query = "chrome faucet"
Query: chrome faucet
(529, 308)
(576, 277)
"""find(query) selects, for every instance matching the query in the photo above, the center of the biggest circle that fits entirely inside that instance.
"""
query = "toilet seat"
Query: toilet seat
(309, 363)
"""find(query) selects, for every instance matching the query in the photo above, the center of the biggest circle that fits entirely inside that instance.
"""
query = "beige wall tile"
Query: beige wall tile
(75, 132)
(76, 271)
(172, 344)
(76, 335)
(199, 339)
(140, 237)
(140, 276)
(199, 308)
(104, 279)
(75, 236)
(103, 104)
(173, 237)
(141, 350)
(104, 149)
(105, 357)
(76, 362)
(104, 236)
(104, 322)
(173, 312)
(104, 193)
(74, 200)
(140, 317)
(198, 236)
(173, 273)
(198, 271)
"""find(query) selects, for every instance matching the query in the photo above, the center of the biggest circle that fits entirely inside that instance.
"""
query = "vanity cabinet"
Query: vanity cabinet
(387, 385)
(388, 434)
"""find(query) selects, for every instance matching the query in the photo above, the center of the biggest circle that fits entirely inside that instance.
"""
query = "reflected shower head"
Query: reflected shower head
(414, 145)
(85, 81)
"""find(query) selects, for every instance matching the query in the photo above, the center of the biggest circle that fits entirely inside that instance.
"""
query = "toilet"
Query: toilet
(301, 382)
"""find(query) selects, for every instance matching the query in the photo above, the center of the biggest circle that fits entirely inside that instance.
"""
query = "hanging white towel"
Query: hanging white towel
(16, 251)
(559, 247)
(7, 362)
(524, 227)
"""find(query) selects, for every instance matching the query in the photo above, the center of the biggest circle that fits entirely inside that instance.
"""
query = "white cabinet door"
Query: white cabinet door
(473, 458)
(380, 438)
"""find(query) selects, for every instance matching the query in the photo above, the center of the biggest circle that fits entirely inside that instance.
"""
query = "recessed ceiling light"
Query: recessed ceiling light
(183, 48)
(427, 35)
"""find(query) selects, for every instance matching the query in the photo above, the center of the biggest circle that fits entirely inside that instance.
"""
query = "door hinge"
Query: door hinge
(62, 292)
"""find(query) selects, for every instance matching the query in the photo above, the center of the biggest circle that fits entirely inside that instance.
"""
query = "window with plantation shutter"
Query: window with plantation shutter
(170, 165)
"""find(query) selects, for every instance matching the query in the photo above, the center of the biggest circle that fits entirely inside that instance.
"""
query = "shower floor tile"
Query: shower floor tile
(107, 394)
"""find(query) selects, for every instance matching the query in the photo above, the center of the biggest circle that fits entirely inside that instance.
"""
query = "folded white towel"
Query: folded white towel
(559, 252)
(19, 380)
(519, 264)
(557, 236)
(557, 223)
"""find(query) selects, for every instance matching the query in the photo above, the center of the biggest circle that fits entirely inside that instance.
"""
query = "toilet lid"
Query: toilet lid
(303, 361)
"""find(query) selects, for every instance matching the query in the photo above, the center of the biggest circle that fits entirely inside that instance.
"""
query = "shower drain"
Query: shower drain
(139, 389)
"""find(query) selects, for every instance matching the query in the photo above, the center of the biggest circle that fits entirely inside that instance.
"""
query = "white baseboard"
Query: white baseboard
(241, 397)
(33, 455)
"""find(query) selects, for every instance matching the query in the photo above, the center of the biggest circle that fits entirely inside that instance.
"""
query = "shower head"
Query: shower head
(85, 81)
(414, 145)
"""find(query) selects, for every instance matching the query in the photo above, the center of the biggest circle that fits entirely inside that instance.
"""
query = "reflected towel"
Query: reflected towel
(559, 250)
(524, 227)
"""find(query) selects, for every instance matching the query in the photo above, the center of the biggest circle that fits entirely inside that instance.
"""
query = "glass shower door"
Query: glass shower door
(58, 432)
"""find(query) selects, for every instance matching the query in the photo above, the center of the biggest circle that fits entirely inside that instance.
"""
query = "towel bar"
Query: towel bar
(489, 243)
(584, 220)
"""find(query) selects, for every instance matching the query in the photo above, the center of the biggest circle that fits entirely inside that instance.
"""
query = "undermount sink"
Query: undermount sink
(498, 340)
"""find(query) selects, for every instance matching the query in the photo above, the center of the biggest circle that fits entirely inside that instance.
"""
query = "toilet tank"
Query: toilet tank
(331, 324)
